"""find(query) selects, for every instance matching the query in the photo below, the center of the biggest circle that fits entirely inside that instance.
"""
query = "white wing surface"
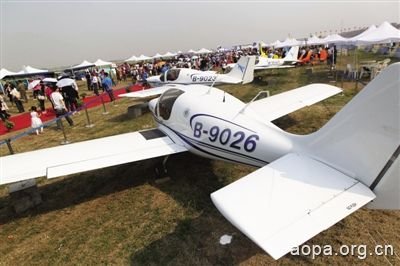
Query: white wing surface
(87, 155)
(282, 205)
(147, 92)
(284, 103)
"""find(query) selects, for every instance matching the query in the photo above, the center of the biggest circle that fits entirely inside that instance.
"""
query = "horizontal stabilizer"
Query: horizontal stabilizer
(284, 103)
(86, 156)
(282, 205)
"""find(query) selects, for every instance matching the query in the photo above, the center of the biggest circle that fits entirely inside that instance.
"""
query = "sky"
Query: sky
(48, 34)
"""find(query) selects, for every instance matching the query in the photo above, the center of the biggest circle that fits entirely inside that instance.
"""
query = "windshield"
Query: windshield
(167, 101)
(172, 74)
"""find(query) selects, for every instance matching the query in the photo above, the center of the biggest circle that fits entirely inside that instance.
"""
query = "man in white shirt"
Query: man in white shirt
(59, 106)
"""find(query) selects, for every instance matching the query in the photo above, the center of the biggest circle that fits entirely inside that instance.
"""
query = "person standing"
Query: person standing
(107, 86)
(95, 84)
(59, 106)
(41, 97)
(22, 91)
(17, 100)
(36, 122)
(3, 110)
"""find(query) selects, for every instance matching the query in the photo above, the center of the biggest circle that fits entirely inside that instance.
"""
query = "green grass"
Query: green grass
(119, 215)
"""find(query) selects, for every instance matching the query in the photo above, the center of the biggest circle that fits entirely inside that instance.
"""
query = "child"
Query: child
(36, 122)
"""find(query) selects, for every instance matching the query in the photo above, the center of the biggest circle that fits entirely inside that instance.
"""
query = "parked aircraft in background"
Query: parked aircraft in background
(241, 73)
(305, 184)
(264, 62)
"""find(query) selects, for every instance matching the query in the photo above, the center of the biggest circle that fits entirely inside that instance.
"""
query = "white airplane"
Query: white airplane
(305, 184)
(263, 62)
(243, 72)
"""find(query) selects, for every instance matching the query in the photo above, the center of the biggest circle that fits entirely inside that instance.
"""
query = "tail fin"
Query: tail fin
(291, 55)
(244, 69)
(363, 139)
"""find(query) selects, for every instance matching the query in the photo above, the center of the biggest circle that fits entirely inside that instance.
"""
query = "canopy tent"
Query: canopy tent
(4, 73)
(179, 52)
(334, 38)
(289, 42)
(203, 51)
(385, 33)
(143, 58)
(169, 54)
(83, 65)
(275, 43)
(314, 40)
(132, 58)
(100, 62)
(156, 56)
(354, 39)
(29, 71)
(191, 51)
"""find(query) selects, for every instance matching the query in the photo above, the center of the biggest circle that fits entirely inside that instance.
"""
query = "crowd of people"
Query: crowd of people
(99, 79)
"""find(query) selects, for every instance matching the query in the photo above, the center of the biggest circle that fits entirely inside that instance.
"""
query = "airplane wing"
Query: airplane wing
(147, 92)
(283, 204)
(284, 103)
(86, 155)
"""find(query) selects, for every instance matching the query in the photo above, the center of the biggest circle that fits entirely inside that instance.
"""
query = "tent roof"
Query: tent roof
(334, 38)
(143, 58)
(157, 55)
(191, 51)
(203, 51)
(385, 33)
(275, 43)
(362, 34)
(289, 42)
(132, 58)
(4, 72)
(314, 40)
(100, 62)
(169, 54)
(84, 64)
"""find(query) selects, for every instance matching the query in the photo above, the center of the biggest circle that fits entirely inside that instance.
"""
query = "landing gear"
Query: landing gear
(161, 171)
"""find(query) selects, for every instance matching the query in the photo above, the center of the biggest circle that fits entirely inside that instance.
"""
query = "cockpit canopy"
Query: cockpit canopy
(170, 74)
(167, 101)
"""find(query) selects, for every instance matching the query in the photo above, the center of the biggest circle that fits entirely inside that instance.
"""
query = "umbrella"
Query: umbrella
(33, 84)
(65, 82)
(50, 80)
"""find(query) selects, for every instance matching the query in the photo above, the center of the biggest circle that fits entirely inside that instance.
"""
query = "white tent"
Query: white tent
(334, 38)
(169, 54)
(179, 52)
(191, 51)
(203, 51)
(385, 33)
(143, 58)
(289, 42)
(314, 40)
(84, 64)
(275, 43)
(354, 39)
(132, 58)
(100, 62)
(4, 72)
(31, 70)
(157, 55)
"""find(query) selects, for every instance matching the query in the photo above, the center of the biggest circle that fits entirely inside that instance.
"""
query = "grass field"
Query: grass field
(120, 215)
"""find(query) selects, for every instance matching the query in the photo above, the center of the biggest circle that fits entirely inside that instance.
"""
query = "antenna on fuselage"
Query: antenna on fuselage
(223, 99)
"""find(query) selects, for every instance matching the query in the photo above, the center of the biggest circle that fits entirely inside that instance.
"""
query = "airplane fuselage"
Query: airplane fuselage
(222, 131)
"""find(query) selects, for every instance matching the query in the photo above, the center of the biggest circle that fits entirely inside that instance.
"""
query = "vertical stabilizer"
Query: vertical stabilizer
(292, 54)
(244, 69)
(363, 139)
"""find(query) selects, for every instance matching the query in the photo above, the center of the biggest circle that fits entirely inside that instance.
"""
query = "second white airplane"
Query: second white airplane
(243, 72)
